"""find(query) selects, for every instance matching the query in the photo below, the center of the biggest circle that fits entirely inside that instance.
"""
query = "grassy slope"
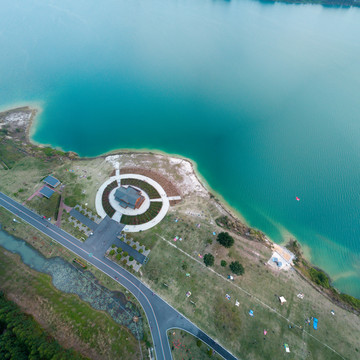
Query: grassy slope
(232, 326)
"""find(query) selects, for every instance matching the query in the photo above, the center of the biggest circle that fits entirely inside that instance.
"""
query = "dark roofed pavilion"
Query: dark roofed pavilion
(129, 197)
(46, 191)
(51, 181)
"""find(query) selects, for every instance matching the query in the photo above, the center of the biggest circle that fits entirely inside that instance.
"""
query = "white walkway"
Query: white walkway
(134, 228)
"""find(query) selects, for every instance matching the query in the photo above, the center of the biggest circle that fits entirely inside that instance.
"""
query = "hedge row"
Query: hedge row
(110, 211)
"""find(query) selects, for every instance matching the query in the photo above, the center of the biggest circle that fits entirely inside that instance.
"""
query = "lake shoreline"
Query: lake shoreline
(233, 214)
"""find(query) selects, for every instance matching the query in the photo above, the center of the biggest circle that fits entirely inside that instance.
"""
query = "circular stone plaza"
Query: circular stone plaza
(137, 198)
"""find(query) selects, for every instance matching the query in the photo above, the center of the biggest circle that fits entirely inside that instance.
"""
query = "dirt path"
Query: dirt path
(62, 207)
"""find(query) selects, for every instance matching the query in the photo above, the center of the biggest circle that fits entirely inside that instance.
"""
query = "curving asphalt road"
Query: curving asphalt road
(161, 316)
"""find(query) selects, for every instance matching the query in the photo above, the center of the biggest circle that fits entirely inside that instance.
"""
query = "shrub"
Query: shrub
(354, 302)
(124, 262)
(209, 260)
(112, 252)
(131, 258)
(198, 342)
(134, 246)
(319, 277)
(184, 266)
(131, 267)
(225, 239)
(223, 263)
(237, 268)
(141, 251)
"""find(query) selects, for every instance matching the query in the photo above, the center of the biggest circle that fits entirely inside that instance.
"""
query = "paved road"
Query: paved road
(161, 316)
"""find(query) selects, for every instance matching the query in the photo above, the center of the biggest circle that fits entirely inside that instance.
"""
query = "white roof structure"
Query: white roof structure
(282, 300)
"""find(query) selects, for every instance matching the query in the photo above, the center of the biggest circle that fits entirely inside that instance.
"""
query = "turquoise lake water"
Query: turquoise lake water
(264, 98)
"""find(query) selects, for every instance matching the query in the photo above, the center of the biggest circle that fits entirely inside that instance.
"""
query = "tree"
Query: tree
(131, 258)
(119, 250)
(223, 263)
(112, 252)
(208, 260)
(198, 343)
(237, 268)
(225, 239)
(118, 257)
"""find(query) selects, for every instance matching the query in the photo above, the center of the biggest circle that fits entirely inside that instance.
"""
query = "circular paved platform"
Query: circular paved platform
(120, 211)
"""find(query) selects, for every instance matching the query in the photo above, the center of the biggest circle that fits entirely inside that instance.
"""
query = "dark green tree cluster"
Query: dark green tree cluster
(225, 239)
(21, 338)
(209, 260)
(319, 277)
(236, 268)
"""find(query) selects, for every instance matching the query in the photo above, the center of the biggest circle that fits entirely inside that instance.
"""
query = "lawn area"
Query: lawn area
(25, 177)
(70, 320)
(44, 206)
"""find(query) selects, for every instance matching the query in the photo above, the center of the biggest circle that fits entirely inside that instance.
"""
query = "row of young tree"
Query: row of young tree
(21, 337)
(227, 241)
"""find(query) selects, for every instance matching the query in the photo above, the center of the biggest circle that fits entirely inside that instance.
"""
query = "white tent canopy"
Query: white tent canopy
(282, 300)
